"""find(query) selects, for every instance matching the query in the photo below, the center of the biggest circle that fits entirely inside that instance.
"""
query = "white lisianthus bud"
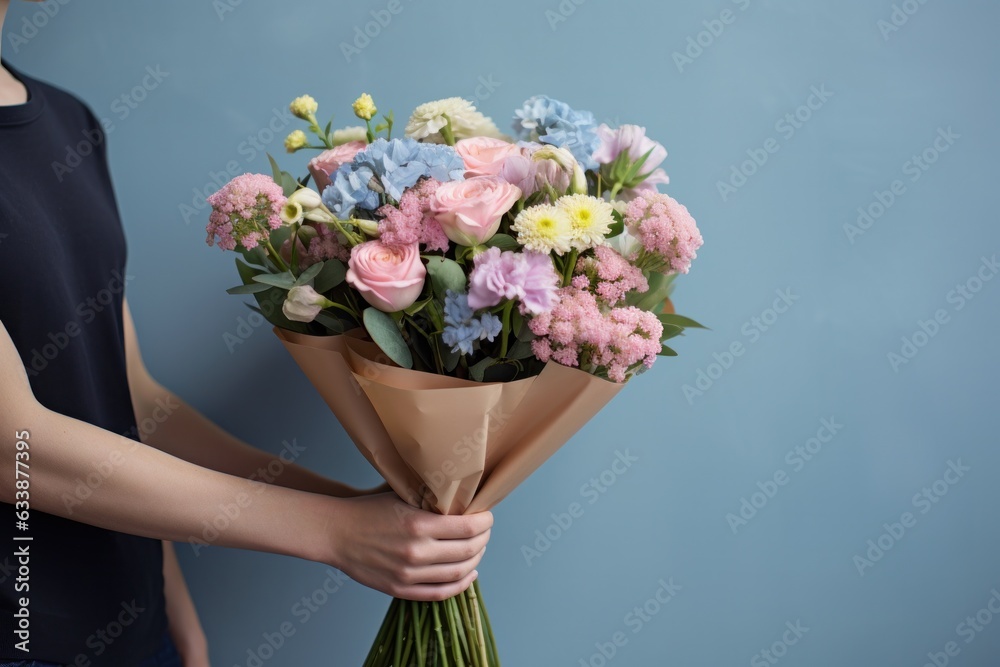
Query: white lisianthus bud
(291, 212)
(303, 304)
(578, 183)
(560, 156)
(348, 134)
(307, 197)
(320, 215)
(369, 227)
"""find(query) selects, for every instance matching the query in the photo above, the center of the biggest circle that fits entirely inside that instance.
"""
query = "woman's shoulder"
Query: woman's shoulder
(56, 98)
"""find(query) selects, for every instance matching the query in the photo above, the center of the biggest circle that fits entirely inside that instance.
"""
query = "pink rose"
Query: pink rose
(390, 278)
(470, 211)
(323, 165)
(484, 156)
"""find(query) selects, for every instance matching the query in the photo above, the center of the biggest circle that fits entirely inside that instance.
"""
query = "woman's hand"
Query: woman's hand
(385, 544)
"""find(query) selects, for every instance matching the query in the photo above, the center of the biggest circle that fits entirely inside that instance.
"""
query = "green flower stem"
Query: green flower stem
(353, 313)
(275, 257)
(398, 653)
(616, 188)
(446, 132)
(476, 614)
(295, 248)
(569, 266)
(458, 623)
(489, 627)
(437, 631)
(505, 328)
(453, 632)
(470, 639)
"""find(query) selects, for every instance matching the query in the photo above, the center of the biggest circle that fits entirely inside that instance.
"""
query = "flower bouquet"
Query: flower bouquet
(464, 301)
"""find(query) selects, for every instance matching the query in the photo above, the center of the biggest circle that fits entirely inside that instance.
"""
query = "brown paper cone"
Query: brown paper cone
(445, 443)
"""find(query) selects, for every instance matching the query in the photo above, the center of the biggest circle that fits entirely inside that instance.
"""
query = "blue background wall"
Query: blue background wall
(855, 293)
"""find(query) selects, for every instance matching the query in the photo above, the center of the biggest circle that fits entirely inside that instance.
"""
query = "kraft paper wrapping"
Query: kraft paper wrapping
(444, 443)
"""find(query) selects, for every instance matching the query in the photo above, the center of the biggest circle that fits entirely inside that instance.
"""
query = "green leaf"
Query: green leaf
(633, 171)
(666, 352)
(248, 288)
(275, 169)
(477, 370)
(283, 280)
(270, 302)
(331, 322)
(520, 350)
(288, 183)
(309, 273)
(246, 271)
(660, 287)
(417, 306)
(680, 321)
(330, 276)
(253, 257)
(383, 330)
(503, 241)
(449, 357)
(618, 226)
(671, 331)
(445, 275)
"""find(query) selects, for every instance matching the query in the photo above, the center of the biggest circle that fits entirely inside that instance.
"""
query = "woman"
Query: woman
(98, 581)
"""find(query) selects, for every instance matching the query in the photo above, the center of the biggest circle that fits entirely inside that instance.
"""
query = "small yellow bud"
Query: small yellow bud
(304, 107)
(364, 107)
(295, 141)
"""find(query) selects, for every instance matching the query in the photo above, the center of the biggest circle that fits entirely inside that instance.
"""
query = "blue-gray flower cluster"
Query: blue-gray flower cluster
(389, 166)
(462, 328)
(553, 122)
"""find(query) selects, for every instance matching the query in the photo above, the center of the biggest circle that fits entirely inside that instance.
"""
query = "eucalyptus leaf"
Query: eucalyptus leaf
(283, 280)
(449, 357)
(309, 273)
(520, 350)
(331, 322)
(446, 274)
(246, 271)
(478, 369)
(666, 352)
(383, 330)
(330, 276)
(248, 288)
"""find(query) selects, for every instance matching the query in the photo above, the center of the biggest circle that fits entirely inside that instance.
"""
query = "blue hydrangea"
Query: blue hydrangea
(553, 122)
(390, 166)
(462, 328)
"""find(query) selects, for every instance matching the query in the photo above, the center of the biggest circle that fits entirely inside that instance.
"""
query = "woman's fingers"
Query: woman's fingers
(435, 592)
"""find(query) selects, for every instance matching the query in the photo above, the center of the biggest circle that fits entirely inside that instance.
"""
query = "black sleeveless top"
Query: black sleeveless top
(95, 596)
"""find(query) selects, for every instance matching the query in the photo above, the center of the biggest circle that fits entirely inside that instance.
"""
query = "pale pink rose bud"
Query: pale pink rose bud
(470, 211)
(390, 278)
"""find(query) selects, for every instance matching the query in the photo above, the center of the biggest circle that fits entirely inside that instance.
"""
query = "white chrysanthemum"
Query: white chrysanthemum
(427, 120)
(544, 228)
(591, 219)
(352, 133)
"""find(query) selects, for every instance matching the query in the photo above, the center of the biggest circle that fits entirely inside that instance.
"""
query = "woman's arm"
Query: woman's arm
(178, 429)
(377, 540)
(185, 628)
